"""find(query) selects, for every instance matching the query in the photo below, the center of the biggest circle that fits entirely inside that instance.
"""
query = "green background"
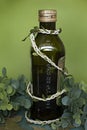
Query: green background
(17, 17)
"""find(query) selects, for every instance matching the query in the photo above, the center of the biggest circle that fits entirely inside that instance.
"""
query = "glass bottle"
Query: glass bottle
(45, 77)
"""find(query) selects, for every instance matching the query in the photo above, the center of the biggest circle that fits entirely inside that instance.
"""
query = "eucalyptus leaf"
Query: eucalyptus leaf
(4, 72)
(9, 89)
(71, 81)
(15, 83)
(3, 107)
(23, 101)
(1, 96)
(83, 86)
(78, 121)
(16, 106)
(27, 104)
(65, 100)
(85, 109)
(2, 86)
(2, 119)
(22, 84)
(5, 113)
(9, 107)
(75, 92)
(86, 124)
(68, 82)
(65, 123)
(67, 115)
(13, 92)
(54, 127)
(5, 81)
(76, 115)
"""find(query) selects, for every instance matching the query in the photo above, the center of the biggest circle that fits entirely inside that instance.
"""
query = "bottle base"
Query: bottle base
(46, 114)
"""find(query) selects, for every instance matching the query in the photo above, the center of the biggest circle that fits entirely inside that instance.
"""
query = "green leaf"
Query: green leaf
(3, 107)
(9, 89)
(16, 106)
(5, 96)
(85, 109)
(65, 100)
(66, 115)
(4, 72)
(76, 116)
(9, 107)
(15, 84)
(23, 101)
(2, 119)
(27, 104)
(83, 86)
(1, 96)
(5, 81)
(69, 82)
(86, 124)
(78, 121)
(54, 127)
(5, 113)
(64, 123)
(13, 92)
(75, 92)
(2, 86)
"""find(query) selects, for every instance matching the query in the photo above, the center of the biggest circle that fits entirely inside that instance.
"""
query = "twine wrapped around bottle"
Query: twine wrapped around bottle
(30, 86)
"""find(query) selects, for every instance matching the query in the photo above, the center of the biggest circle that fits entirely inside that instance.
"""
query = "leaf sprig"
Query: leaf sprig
(75, 102)
(13, 94)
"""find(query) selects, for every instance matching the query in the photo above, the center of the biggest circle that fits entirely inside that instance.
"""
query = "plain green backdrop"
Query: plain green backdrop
(17, 17)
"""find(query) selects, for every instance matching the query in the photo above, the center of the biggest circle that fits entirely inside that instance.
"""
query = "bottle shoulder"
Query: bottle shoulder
(51, 39)
(49, 42)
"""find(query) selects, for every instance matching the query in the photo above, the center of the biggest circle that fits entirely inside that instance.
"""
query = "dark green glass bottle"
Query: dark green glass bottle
(45, 77)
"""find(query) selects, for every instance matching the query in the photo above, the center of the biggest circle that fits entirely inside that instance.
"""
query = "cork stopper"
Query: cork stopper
(47, 15)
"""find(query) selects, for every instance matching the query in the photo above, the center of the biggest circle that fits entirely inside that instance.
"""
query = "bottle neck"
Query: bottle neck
(48, 25)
